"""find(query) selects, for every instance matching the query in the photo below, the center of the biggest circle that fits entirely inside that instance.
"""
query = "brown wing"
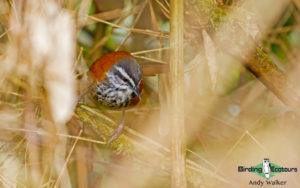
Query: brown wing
(102, 65)
(153, 68)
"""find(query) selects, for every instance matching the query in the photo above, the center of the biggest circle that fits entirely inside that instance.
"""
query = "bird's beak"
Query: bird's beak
(136, 91)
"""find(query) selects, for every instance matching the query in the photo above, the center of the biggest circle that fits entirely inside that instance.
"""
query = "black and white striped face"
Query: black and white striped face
(121, 84)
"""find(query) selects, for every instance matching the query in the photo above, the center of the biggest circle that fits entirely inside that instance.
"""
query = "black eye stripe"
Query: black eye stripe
(125, 79)
(122, 77)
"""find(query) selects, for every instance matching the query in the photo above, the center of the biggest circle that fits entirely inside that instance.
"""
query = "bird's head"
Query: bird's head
(126, 76)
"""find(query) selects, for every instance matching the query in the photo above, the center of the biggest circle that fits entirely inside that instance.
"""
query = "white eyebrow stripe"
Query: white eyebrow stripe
(122, 71)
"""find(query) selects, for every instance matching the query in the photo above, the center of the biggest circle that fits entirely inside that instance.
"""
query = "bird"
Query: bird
(116, 83)
(266, 167)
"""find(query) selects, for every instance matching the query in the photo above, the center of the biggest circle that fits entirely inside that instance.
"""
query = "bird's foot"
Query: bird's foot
(116, 133)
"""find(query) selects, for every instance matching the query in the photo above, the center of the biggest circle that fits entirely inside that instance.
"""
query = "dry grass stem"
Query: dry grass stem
(133, 24)
(178, 178)
(67, 160)
(142, 31)
(150, 51)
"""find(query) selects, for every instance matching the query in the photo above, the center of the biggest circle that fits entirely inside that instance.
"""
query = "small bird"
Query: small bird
(266, 167)
(117, 83)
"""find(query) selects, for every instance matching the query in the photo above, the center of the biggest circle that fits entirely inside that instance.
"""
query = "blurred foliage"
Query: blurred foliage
(241, 105)
(214, 13)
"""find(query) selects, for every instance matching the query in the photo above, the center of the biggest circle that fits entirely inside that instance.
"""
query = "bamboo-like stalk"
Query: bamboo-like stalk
(176, 96)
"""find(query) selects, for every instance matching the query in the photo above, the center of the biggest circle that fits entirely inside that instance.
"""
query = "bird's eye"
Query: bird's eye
(125, 79)
(132, 94)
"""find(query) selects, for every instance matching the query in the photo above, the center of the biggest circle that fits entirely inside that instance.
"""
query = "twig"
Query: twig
(104, 39)
(164, 10)
(58, 134)
(202, 158)
(142, 31)
(5, 32)
(167, 3)
(114, 14)
(149, 51)
(133, 24)
(67, 160)
(149, 59)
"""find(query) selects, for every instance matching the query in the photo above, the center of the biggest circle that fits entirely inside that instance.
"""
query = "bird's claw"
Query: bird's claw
(116, 133)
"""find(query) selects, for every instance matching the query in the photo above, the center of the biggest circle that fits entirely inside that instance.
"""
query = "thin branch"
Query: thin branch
(67, 160)
(82, 138)
(104, 39)
(167, 3)
(133, 24)
(164, 10)
(114, 14)
(149, 51)
(142, 31)
(149, 59)
(43, 133)
(230, 151)
(202, 158)
(5, 32)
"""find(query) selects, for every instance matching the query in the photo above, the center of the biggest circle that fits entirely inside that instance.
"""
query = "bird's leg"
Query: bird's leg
(118, 130)
(81, 96)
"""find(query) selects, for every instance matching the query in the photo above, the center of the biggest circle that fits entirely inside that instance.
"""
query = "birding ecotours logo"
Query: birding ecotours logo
(266, 169)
